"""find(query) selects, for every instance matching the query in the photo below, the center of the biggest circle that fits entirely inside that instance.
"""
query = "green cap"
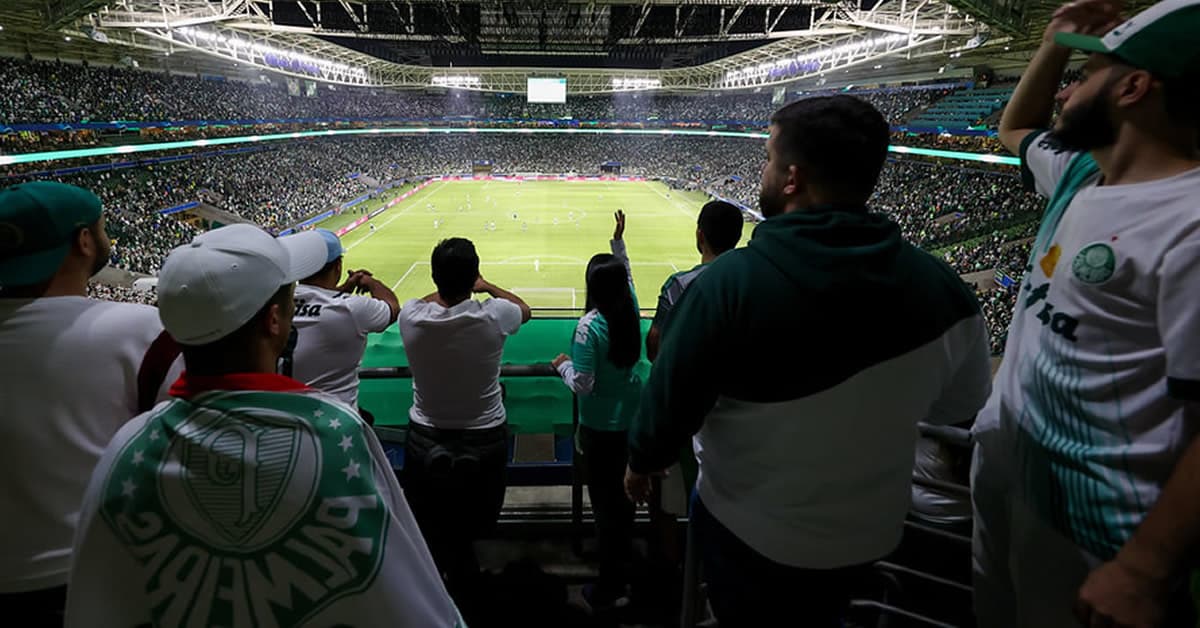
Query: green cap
(37, 221)
(1164, 39)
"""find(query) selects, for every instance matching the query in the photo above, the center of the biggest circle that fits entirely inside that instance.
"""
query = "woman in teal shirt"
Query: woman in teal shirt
(600, 370)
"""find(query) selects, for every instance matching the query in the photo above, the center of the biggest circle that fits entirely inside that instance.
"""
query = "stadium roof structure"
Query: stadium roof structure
(599, 46)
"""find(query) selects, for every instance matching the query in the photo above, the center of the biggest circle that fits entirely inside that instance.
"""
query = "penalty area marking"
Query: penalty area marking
(408, 272)
(409, 205)
(534, 291)
(674, 202)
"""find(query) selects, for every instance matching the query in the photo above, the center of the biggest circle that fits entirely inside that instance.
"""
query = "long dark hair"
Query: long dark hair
(608, 292)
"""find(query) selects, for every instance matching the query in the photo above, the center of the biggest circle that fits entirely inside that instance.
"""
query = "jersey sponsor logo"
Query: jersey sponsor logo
(265, 517)
(1049, 141)
(306, 310)
(1094, 264)
(1059, 323)
(1050, 260)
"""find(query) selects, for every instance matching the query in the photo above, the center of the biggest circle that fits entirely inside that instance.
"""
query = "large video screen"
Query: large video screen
(546, 90)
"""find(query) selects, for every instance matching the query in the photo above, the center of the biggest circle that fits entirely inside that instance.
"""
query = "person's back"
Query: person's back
(210, 507)
(867, 334)
(248, 498)
(74, 371)
(616, 390)
(455, 357)
(456, 448)
(70, 373)
(332, 324)
(802, 363)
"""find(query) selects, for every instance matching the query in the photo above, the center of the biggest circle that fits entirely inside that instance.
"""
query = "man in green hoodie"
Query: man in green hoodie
(802, 364)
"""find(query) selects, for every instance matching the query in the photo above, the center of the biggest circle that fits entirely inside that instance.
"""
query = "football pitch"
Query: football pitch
(533, 237)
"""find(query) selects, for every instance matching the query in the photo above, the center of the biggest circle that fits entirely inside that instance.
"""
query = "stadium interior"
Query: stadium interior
(523, 125)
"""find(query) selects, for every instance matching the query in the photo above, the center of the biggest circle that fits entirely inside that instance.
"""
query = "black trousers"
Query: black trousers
(605, 456)
(746, 588)
(36, 609)
(454, 481)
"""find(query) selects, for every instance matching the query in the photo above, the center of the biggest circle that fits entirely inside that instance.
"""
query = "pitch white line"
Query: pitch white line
(674, 202)
(398, 214)
(411, 268)
(673, 266)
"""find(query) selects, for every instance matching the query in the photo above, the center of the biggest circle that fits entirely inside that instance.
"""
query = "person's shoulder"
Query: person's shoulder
(328, 401)
(498, 305)
(414, 307)
(935, 271)
(131, 315)
(729, 268)
(590, 323)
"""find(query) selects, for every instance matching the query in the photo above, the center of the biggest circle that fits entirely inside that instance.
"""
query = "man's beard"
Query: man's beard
(770, 204)
(1087, 127)
(103, 252)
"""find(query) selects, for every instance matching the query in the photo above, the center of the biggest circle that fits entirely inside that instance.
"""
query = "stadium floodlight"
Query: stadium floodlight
(634, 84)
(456, 80)
(271, 56)
(811, 61)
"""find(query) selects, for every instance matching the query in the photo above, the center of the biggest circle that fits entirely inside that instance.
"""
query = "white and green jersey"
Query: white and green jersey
(250, 500)
(1101, 361)
(608, 395)
(671, 291)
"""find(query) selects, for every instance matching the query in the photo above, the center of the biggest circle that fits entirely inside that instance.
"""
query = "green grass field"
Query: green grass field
(542, 254)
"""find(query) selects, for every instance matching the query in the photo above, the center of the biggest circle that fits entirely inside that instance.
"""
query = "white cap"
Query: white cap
(210, 288)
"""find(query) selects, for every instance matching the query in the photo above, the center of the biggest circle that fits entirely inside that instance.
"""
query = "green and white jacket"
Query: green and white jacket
(802, 364)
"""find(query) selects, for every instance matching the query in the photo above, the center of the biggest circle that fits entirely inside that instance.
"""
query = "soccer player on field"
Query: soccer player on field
(1087, 469)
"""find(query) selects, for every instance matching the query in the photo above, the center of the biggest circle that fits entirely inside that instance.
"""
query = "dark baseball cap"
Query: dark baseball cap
(37, 222)
(1164, 39)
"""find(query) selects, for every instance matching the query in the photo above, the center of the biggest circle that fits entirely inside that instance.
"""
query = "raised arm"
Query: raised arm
(363, 281)
(617, 244)
(1033, 100)
(482, 285)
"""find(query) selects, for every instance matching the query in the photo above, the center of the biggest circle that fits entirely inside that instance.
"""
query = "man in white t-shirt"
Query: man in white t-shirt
(1087, 470)
(332, 324)
(248, 498)
(73, 371)
(456, 452)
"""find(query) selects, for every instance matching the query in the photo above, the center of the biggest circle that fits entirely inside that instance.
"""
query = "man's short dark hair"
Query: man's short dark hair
(721, 223)
(840, 141)
(455, 267)
(325, 270)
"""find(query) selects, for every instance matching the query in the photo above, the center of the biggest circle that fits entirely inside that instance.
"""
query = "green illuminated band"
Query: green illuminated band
(60, 155)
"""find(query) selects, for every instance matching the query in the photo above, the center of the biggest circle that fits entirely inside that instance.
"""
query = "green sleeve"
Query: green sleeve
(683, 384)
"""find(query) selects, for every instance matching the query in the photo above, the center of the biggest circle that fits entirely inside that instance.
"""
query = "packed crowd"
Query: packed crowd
(279, 185)
(938, 205)
(997, 305)
(1006, 252)
(222, 424)
(945, 141)
(54, 92)
(119, 293)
